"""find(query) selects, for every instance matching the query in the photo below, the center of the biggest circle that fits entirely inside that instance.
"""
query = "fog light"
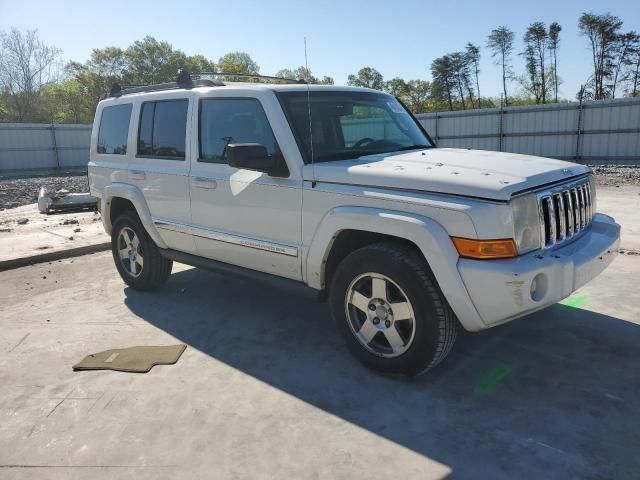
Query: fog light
(539, 286)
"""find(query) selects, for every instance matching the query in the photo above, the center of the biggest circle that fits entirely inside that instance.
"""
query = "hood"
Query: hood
(473, 173)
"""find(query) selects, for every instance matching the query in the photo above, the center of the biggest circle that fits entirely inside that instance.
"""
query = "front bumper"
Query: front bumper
(502, 290)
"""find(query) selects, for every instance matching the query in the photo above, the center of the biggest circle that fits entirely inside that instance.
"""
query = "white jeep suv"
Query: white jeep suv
(342, 189)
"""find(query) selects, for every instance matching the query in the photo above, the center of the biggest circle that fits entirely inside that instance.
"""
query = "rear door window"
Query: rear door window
(114, 129)
(162, 129)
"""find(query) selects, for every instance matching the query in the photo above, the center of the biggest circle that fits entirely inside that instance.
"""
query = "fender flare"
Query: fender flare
(135, 196)
(427, 234)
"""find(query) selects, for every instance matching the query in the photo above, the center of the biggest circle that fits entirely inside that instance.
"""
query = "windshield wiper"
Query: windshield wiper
(345, 155)
(413, 147)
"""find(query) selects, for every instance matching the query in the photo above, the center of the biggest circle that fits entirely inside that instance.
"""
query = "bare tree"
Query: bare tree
(554, 42)
(501, 44)
(26, 65)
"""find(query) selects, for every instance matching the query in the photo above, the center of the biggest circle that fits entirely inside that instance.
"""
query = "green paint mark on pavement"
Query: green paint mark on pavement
(492, 378)
(575, 302)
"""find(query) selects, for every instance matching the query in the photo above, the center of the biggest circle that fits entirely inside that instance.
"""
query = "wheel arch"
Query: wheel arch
(349, 240)
(120, 197)
(345, 229)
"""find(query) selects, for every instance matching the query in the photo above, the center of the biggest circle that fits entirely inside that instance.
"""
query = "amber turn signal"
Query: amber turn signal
(485, 249)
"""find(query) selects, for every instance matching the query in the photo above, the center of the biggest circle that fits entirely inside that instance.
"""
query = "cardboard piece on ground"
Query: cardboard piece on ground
(139, 359)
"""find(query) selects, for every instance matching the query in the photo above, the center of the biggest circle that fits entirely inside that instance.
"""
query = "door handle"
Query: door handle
(137, 174)
(204, 182)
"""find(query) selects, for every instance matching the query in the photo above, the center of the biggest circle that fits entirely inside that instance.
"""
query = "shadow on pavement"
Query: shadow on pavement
(552, 395)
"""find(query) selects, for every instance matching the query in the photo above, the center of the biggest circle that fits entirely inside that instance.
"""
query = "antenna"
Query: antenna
(313, 168)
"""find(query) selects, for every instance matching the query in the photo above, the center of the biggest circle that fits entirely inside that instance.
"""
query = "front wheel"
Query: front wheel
(391, 311)
(136, 256)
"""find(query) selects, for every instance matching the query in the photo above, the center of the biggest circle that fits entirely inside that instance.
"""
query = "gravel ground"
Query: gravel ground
(617, 175)
(15, 192)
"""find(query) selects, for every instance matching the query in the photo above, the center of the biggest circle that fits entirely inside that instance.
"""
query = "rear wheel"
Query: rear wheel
(136, 256)
(391, 311)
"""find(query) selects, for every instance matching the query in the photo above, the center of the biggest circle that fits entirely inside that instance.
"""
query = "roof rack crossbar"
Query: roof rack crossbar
(185, 80)
(250, 75)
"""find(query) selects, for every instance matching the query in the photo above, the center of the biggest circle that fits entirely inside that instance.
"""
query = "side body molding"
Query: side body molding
(135, 196)
(430, 237)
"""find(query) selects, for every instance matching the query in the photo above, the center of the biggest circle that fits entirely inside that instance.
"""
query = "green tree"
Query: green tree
(150, 61)
(238, 62)
(602, 32)
(626, 45)
(303, 73)
(147, 61)
(67, 102)
(500, 42)
(460, 71)
(367, 77)
(633, 65)
(415, 94)
(397, 87)
(536, 40)
(4, 107)
(554, 42)
(452, 80)
(418, 95)
(443, 80)
(472, 53)
(199, 64)
(108, 62)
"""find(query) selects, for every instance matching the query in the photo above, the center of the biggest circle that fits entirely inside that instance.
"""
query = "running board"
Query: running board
(234, 270)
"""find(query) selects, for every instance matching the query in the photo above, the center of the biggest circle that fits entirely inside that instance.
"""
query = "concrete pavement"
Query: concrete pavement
(266, 388)
(45, 237)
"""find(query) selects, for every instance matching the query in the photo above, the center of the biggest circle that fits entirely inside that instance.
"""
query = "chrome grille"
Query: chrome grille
(564, 211)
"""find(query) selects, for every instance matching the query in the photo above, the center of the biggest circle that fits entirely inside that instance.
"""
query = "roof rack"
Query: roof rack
(184, 80)
(250, 75)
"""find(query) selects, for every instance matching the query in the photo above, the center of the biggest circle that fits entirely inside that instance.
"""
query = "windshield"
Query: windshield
(348, 124)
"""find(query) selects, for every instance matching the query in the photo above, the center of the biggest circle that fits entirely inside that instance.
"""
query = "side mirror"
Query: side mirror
(253, 156)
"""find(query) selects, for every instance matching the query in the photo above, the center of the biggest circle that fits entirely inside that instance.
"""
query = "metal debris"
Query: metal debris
(64, 201)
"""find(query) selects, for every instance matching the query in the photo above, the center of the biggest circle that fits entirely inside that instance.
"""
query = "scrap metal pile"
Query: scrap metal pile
(64, 201)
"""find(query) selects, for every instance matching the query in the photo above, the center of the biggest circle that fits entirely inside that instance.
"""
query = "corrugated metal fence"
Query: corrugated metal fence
(26, 146)
(603, 132)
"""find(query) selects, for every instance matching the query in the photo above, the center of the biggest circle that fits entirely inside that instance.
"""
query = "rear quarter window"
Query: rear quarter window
(114, 129)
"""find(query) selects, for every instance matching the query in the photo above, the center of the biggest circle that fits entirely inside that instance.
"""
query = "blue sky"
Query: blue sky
(398, 38)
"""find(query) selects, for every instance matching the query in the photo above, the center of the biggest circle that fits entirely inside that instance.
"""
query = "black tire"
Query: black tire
(155, 270)
(435, 324)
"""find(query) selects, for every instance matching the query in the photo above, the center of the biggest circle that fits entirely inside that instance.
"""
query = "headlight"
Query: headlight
(526, 223)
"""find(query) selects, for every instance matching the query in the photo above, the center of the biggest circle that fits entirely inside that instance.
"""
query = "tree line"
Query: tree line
(36, 86)
(455, 82)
